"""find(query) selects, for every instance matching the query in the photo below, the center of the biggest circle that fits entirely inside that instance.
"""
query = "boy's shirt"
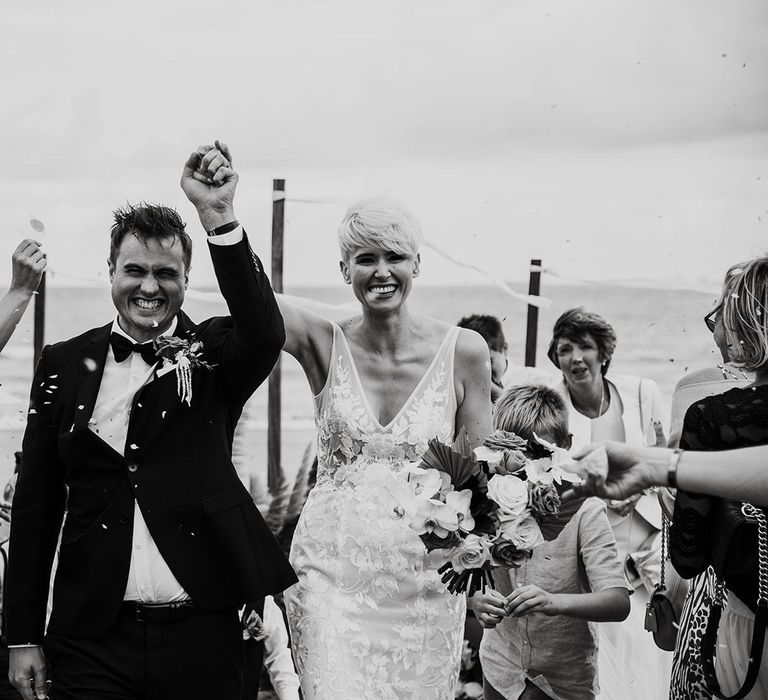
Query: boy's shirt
(558, 654)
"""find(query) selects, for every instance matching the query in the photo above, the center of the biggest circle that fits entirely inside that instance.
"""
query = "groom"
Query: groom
(130, 431)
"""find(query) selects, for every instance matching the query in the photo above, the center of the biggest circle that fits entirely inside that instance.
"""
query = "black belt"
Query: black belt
(160, 612)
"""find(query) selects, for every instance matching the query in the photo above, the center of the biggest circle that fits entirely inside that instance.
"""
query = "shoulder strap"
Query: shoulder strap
(709, 640)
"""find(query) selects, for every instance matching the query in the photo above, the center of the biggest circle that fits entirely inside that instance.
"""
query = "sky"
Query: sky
(613, 139)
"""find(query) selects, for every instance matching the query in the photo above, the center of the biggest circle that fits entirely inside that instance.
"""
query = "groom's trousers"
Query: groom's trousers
(197, 657)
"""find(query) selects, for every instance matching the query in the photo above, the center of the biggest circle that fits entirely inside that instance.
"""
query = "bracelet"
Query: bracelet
(224, 228)
(674, 460)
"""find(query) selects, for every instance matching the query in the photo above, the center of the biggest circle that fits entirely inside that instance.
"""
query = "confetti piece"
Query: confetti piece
(80, 407)
(104, 526)
(37, 225)
(52, 376)
(134, 446)
(90, 364)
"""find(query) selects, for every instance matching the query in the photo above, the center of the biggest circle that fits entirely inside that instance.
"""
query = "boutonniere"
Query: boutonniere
(183, 356)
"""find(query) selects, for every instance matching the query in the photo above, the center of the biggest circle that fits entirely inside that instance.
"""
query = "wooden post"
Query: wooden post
(532, 329)
(274, 468)
(38, 337)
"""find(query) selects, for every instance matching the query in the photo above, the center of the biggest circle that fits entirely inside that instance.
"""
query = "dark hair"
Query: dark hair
(574, 324)
(147, 221)
(532, 408)
(487, 326)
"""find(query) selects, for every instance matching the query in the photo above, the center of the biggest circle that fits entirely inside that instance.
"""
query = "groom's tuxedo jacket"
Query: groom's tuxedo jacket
(177, 466)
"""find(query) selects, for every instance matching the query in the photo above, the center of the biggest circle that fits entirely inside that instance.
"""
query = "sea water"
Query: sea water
(661, 335)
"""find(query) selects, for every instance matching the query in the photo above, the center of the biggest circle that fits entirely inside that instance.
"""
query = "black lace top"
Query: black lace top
(737, 418)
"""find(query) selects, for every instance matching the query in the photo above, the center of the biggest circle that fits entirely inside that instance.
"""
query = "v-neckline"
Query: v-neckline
(421, 381)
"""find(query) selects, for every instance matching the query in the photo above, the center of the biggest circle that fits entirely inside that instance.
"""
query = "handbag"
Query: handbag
(663, 610)
(732, 563)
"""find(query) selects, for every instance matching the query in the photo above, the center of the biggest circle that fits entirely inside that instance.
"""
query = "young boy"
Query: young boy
(540, 637)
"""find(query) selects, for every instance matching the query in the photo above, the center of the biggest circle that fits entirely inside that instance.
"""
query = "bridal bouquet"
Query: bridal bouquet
(482, 507)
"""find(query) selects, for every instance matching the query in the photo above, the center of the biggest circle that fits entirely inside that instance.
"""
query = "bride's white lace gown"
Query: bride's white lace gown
(368, 618)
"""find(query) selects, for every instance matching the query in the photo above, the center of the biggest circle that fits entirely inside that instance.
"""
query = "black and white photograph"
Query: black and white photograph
(384, 351)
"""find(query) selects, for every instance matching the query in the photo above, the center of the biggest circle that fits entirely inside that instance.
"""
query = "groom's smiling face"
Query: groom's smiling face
(148, 279)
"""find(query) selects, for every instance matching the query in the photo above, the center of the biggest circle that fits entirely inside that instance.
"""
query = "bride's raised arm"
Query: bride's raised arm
(473, 386)
(309, 338)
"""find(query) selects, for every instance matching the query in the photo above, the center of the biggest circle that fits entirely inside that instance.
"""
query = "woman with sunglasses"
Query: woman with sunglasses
(733, 419)
(624, 409)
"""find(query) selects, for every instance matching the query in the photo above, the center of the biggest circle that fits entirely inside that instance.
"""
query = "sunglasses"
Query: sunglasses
(711, 318)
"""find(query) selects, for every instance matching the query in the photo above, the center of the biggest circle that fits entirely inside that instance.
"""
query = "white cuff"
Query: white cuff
(232, 238)
(24, 646)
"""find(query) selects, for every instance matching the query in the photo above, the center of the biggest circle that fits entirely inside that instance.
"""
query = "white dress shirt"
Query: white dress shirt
(149, 578)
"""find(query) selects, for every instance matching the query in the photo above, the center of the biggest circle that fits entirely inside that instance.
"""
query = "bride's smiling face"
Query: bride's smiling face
(381, 279)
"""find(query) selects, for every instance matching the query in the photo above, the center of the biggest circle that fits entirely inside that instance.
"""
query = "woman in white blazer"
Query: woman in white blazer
(623, 409)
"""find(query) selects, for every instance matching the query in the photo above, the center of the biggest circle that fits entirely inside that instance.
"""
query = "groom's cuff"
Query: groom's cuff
(232, 238)
(23, 646)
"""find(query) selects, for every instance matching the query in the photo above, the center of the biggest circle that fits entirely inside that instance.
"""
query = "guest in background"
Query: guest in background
(541, 642)
(625, 409)
(490, 328)
(7, 691)
(27, 266)
(736, 418)
(267, 644)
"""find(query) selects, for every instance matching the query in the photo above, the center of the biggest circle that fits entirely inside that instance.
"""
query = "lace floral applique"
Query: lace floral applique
(369, 618)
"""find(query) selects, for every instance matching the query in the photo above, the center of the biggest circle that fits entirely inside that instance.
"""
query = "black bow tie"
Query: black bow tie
(122, 347)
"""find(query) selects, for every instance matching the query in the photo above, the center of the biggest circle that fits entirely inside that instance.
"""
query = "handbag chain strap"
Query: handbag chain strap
(664, 548)
(751, 513)
(709, 641)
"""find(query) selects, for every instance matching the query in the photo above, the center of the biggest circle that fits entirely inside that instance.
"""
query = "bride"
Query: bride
(369, 617)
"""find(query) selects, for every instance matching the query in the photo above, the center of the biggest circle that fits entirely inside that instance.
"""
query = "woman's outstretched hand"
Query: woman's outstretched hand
(616, 471)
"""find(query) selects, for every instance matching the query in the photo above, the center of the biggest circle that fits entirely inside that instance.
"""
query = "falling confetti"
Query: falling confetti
(90, 364)
(37, 225)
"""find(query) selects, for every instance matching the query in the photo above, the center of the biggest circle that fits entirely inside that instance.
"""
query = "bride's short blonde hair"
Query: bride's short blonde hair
(379, 222)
